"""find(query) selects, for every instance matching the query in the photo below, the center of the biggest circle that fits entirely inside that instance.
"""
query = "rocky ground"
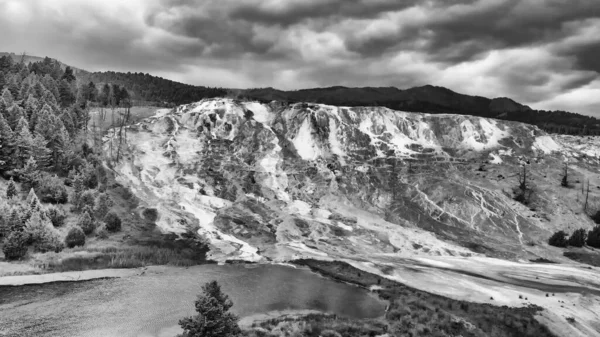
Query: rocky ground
(428, 200)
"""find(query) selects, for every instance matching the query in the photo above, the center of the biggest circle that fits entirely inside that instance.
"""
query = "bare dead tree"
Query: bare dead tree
(565, 179)
(523, 178)
(587, 196)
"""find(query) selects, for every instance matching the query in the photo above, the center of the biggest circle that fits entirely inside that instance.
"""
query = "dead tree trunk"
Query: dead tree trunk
(587, 196)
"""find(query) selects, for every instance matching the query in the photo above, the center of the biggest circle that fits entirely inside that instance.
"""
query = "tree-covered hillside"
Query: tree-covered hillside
(146, 89)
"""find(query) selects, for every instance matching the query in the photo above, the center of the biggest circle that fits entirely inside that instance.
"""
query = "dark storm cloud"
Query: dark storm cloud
(294, 12)
(540, 52)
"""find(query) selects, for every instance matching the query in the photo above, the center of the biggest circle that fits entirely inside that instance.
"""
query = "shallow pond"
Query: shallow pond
(151, 304)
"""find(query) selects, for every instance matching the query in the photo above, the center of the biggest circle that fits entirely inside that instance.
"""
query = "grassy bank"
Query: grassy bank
(325, 325)
(415, 313)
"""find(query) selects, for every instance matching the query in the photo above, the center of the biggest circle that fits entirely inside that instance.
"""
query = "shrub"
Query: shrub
(42, 234)
(558, 239)
(577, 239)
(593, 239)
(52, 189)
(87, 199)
(86, 223)
(15, 246)
(113, 222)
(150, 214)
(75, 237)
(102, 204)
(56, 215)
(101, 231)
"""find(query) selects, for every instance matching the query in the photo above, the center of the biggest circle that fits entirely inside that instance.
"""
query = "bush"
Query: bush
(102, 204)
(113, 222)
(593, 239)
(558, 239)
(75, 237)
(56, 215)
(15, 246)
(577, 239)
(101, 231)
(86, 223)
(87, 199)
(42, 234)
(52, 189)
(150, 214)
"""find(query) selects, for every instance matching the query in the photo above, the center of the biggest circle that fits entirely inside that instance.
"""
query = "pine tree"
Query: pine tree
(6, 145)
(30, 174)
(14, 88)
(68, 75)
(11, 191)
(102, 205)
(214, 318)
(31, 105)
(7, 97)
(15, 221)
(65, 94)
(15, 113)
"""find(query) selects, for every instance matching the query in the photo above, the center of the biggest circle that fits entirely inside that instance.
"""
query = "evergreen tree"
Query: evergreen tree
(68, 75)
(558, 239)
(15, 246)
(214, 318)
(15, 113)
(593, 238)
(14, 88)
(15, 222)
(31, 105)
(86, 223)
(30, 174)
(24, 143)
(7, 145)
(2, 81)
(42, 234)
(578, 238)
(102, 205)
(7, 97)
(11, 191)
(65, 94)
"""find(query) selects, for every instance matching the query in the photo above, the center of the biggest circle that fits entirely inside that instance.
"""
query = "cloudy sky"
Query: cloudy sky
(545, 53)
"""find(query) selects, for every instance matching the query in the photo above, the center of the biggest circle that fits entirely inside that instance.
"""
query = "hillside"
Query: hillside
(146, 89)
(32, 59)
(429, 200)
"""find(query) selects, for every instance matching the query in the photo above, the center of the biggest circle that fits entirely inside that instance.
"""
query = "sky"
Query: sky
(543, 53)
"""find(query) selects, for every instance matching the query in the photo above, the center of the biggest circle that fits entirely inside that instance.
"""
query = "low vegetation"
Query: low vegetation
(578, 238)
(417, 313)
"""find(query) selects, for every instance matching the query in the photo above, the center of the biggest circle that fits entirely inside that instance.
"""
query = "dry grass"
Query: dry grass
(82, 258)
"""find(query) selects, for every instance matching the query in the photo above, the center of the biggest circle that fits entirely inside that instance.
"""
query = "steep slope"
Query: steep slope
(279, 176)
(424, 199)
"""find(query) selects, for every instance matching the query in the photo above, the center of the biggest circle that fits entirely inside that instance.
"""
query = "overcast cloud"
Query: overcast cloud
(544, 53)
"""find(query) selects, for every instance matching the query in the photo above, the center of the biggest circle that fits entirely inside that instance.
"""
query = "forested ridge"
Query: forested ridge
(45, 151)
(146, 89)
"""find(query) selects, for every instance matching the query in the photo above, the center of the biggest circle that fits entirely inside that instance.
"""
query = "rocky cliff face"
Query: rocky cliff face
(275, 182)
